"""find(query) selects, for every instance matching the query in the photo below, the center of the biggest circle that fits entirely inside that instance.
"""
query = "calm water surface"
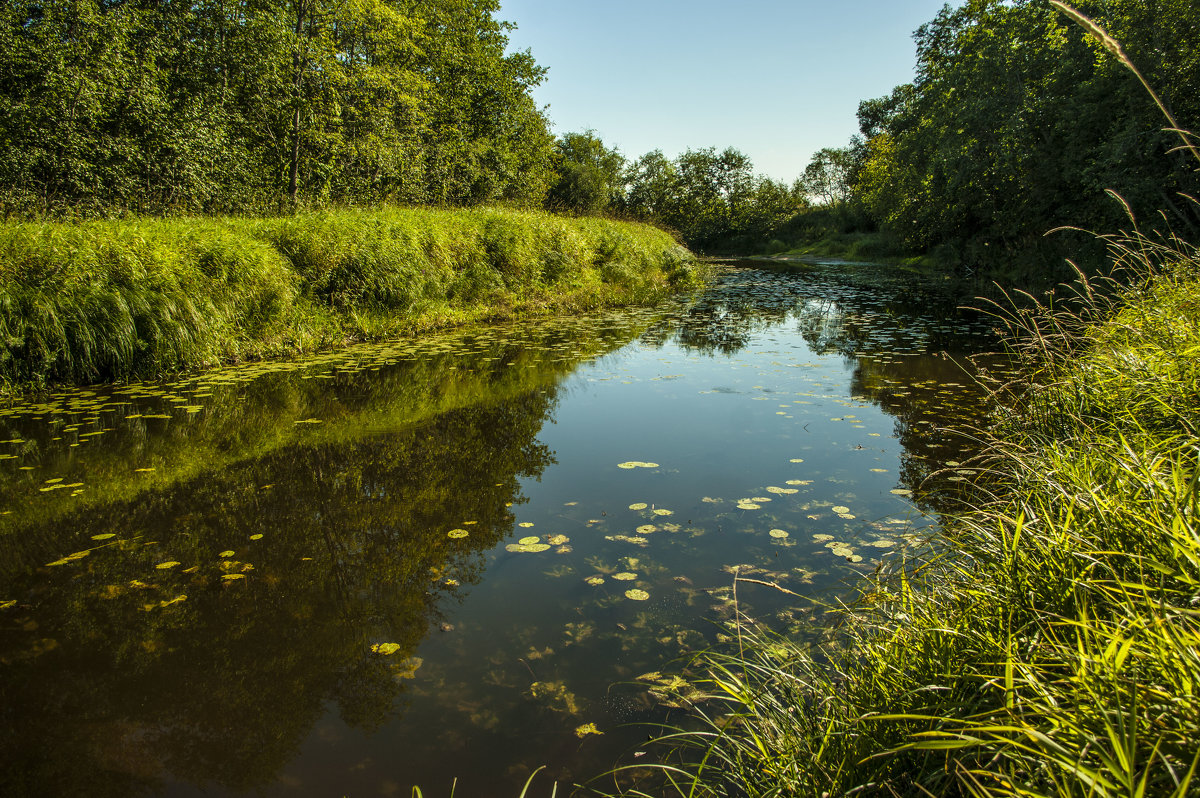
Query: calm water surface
(444, 559)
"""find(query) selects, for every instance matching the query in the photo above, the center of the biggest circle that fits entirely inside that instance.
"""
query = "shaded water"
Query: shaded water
(414, 562)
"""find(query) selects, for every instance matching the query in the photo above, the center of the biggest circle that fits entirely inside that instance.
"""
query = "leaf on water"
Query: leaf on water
(638, 506)
(231, 577)
(822, 538)
(594, 581)
(902, 492)
(624, 576)
(162, 566)
(527, 548)
(104, 536)
(782, 491)
(143, 470)
(586, 729)
(661, 511)
(529, 540)
(847, 516)
(841, 508)
(457, 533)
(883, 543)
(558, 540)
(711, 500)
(525, 524)
(778, 533)
(796, 460)
(256, 537)
(855, 558)
(748, 506)
(646, 529)
(879, 470)
(386, 649)
(637, 595)
(227, 553)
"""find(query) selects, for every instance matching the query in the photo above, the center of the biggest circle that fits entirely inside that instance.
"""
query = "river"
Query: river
(460, 557)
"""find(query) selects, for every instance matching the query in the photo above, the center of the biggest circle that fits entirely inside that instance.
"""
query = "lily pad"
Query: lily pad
(624, 576)
(638, 506)
(457, 533)
(778, 533)
(529, 540)
(386, 649)
(527, 548)
(637, 595)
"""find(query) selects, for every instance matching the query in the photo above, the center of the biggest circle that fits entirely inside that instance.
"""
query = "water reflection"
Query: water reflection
(301, 578)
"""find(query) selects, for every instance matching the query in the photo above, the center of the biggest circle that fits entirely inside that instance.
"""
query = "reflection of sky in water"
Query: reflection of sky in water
(815, 401)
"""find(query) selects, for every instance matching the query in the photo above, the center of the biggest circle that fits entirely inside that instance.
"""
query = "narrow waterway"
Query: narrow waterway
(462, 557)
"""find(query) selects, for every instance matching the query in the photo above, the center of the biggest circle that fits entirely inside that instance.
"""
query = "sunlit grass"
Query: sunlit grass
(117, 300)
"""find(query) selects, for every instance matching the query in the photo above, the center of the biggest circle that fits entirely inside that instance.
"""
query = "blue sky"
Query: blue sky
(778, 80)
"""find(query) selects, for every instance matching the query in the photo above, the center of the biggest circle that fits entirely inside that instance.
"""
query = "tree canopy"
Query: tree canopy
(1018, 122)
(159, 106)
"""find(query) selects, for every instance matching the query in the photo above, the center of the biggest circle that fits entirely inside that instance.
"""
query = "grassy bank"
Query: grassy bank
(116, 300)
(1048, 642)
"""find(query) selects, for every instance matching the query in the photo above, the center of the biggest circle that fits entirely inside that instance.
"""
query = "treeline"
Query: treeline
(713, 200)
(1018, 122)
(215, 106)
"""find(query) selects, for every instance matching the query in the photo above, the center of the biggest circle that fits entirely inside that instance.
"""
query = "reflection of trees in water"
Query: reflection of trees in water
(106, 692)
(935, 402)
(894, 328)
(837, 310)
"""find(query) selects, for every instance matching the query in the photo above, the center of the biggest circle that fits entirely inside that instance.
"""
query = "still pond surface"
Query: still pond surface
(458, 557)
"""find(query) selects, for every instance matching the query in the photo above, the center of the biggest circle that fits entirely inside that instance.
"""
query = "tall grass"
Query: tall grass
(115, 300)
(1048, 643)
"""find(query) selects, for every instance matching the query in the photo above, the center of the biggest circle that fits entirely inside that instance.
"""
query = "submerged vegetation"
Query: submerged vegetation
(115, 300)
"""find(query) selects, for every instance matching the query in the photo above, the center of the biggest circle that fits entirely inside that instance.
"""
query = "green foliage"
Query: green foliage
(1046, 643)
(589, 176)
(215, 108)
(713, 199)
(1018, 122)
(110, 300)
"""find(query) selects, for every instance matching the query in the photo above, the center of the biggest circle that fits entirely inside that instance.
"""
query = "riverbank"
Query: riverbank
(1046, 642)
(117, 300)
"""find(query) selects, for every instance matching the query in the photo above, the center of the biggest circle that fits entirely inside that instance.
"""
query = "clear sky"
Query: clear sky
(776, 79)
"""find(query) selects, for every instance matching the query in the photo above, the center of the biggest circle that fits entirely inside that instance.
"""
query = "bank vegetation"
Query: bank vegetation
(113, 300)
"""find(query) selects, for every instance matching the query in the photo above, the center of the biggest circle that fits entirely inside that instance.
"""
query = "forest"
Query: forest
(153, 107)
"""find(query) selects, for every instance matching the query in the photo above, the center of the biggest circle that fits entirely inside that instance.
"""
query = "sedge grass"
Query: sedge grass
(1048, 642)
(118, 300)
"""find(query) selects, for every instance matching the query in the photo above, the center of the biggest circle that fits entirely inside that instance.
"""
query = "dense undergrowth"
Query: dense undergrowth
(1048, 641)
(117, 300)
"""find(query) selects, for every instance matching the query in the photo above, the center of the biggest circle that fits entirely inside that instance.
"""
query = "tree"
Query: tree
(1017, 123)
(589, 177)
(827, 176)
